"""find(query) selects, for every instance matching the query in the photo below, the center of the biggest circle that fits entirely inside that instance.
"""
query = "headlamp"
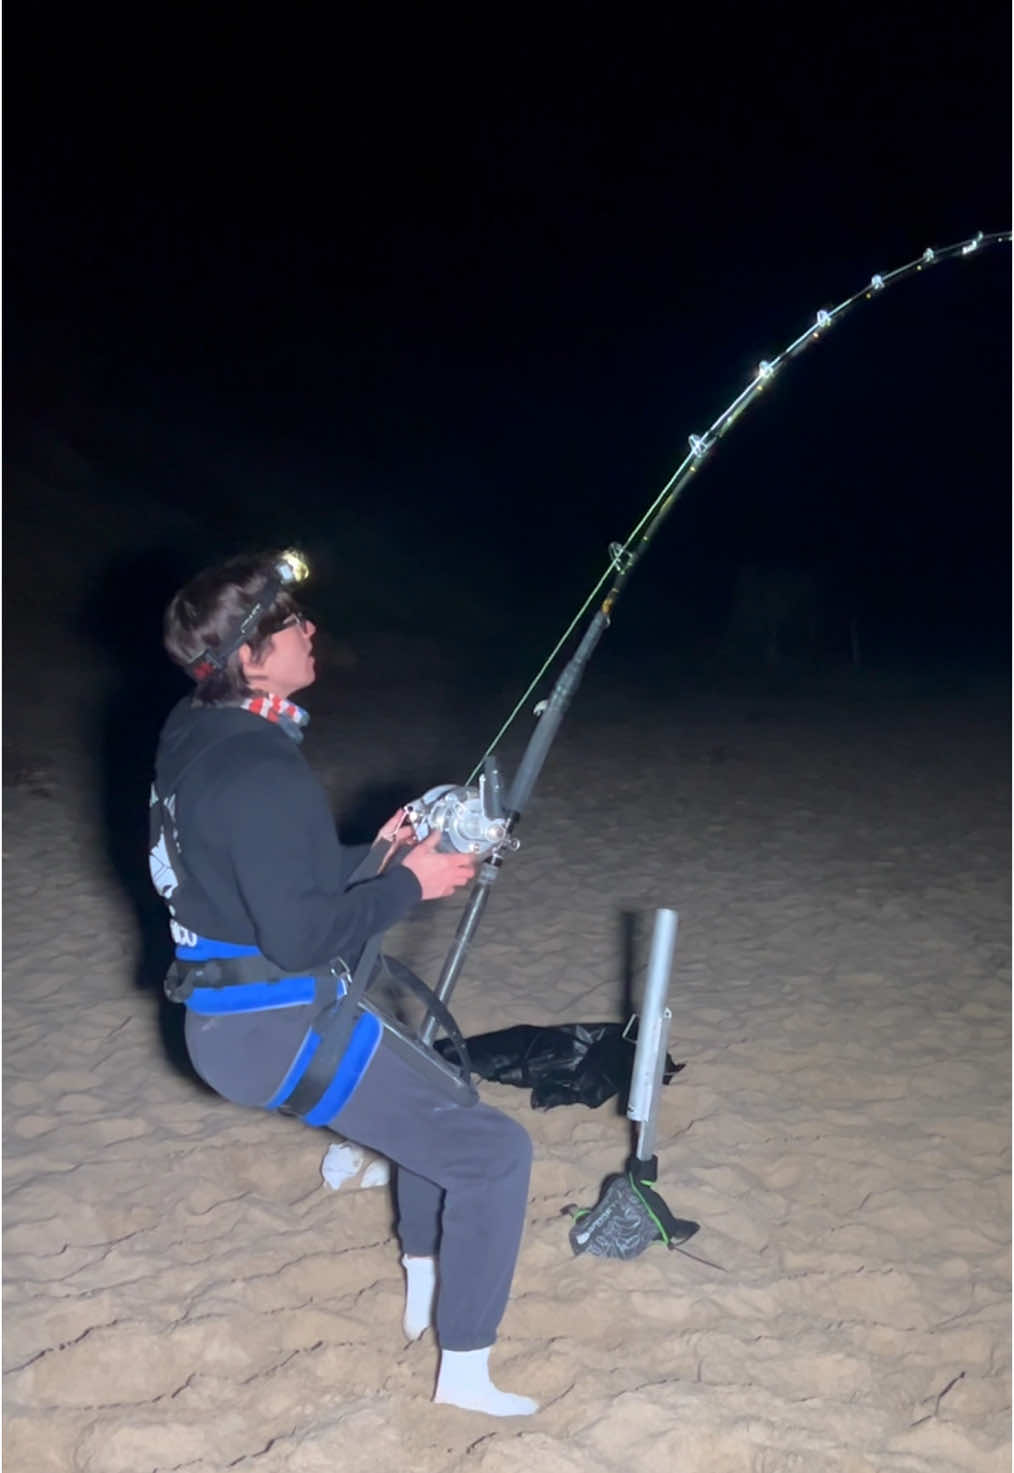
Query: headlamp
(291, 568)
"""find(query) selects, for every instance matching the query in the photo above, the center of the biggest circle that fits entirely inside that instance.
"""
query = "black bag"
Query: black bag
(565, 1064)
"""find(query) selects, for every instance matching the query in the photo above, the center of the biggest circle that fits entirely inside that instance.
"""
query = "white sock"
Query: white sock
(420, 1291)
(464, 1382)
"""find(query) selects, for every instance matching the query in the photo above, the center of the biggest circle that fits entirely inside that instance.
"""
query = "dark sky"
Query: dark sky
(470, 288)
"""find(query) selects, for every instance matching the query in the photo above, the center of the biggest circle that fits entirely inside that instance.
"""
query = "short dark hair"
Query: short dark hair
(205, 613)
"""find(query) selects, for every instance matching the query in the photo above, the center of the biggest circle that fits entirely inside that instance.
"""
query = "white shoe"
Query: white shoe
(345, 1161)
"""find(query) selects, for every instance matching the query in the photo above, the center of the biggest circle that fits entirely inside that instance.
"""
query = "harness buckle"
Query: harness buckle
(340, 970)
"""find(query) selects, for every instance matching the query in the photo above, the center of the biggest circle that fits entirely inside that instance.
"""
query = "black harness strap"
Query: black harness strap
(232, 971)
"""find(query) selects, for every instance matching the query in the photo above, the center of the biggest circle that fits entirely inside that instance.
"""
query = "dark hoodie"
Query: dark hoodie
(260, 865)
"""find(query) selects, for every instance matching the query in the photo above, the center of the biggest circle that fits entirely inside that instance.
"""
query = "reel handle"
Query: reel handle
(491, 789)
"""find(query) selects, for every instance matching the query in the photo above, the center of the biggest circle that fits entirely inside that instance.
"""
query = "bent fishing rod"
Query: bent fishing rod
(480, 819)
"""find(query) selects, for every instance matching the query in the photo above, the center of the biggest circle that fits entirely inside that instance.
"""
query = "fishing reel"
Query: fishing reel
(471, 820)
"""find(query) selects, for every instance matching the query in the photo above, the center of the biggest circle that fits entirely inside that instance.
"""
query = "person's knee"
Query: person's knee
(485, 1147)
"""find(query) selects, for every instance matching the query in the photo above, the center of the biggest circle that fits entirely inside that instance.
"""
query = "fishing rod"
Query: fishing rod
(477, 818)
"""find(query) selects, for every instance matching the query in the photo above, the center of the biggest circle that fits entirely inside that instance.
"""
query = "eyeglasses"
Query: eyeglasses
(294, 621)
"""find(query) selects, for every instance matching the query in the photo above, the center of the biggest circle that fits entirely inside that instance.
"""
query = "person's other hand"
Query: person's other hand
(397, 830)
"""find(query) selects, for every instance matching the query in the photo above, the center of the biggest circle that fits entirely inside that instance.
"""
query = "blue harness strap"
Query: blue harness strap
(298, 1067)
(355, 1061)
(237, 988)
(203, 949)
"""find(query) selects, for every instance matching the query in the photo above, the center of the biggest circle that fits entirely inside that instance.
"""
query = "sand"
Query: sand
(184, 1291)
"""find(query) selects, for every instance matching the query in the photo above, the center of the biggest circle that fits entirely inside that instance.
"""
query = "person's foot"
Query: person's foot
(464, 1382)
(348, 1166)
(420, 1292)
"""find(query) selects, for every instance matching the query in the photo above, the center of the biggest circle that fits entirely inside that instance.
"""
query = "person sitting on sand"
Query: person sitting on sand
(264, 898)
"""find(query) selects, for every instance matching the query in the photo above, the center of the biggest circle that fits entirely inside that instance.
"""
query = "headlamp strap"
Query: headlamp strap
(210, 660)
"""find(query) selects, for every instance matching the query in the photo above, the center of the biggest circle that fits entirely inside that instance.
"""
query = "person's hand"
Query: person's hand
(397, 830)
(438, 874)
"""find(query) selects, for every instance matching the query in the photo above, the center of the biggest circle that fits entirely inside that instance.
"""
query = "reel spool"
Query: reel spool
(471, 820)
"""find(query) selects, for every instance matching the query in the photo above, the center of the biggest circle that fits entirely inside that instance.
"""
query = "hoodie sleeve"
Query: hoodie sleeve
(290, 871)
(352, 857)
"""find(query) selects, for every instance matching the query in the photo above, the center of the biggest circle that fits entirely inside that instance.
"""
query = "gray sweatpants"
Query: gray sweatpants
(461, 1186)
